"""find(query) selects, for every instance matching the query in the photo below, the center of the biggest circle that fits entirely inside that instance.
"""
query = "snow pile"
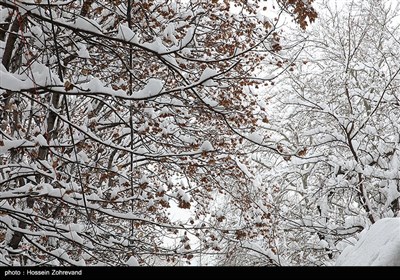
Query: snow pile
(379, 246)
(153, 87)
(206, 146)
(132, 261)
(207, 76)
(125, 33)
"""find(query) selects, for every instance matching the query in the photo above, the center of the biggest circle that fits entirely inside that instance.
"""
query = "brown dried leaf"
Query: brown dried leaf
(68, 85)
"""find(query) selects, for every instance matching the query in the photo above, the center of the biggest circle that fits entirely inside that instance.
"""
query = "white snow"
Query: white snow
(185, 197)
(9, 81)
(94, 85)
(132, 261)
(188, 37)
(378, 246)
(141, 150)
(43, 75)
(323, 244)
(83, 157)
(11, 144)
(392, 193)
(153, 87)
(88, 25)
(169, 32)
(206, 146)
(157, 46)
(41, 140)
(82, 52)
(210, 101)
(354, 221)
(244, 169)
(256, 137)
(125, 33)
(206, 77)
(255, 248)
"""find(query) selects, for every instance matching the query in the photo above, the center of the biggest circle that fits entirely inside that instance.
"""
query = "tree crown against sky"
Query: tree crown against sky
(335, 118)
(114, 112)
(211, 132)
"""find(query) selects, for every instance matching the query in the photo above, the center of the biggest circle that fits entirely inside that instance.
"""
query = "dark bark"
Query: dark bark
(4, 27)
(17, 236)
(12, 38)
(85, 7)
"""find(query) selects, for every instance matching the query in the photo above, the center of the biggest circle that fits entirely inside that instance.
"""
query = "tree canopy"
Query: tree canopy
(209, 132)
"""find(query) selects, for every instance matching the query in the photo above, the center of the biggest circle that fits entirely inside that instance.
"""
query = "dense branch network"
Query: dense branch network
(115, 112)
